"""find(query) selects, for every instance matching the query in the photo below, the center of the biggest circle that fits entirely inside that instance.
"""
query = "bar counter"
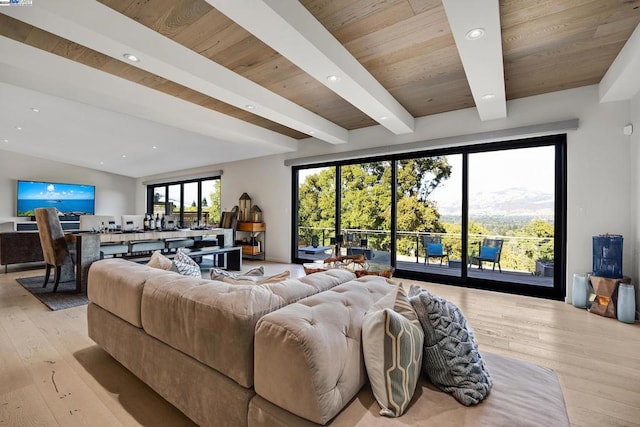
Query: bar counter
(88, 246)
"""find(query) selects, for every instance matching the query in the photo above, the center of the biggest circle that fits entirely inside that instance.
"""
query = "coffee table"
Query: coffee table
(356, 263)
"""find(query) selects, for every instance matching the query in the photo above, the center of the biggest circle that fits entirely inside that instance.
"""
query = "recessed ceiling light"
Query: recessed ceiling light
(383, 117)
(124, 155)
(19, 127)
(475, 33)
(333, 78)
(312, 132)
(5, 140)
(488, 96)
(131, 57)
(102, 163)
(35, 110)
(250, 107)
(154, 147)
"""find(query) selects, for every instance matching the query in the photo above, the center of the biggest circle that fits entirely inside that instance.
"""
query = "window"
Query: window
(191, 203)
(490, 216)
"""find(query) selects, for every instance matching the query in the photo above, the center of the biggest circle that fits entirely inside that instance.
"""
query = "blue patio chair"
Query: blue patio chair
(433, 248)
(489, 250)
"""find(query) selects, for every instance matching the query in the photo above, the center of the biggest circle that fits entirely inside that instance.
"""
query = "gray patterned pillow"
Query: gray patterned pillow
(392, 342)
(451, 358)
(185, 265)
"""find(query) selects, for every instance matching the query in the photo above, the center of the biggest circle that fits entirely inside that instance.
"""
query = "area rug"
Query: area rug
(65, 297)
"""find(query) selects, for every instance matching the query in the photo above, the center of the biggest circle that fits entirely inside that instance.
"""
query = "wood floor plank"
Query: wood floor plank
(66, 395)
(25, 407)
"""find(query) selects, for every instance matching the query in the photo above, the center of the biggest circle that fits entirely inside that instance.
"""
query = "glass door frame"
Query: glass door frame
(558, 291)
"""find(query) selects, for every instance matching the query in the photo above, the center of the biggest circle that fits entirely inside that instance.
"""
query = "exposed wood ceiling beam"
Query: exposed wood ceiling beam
(291, 30)
(621, 80)
(92, 24)
(481, 58)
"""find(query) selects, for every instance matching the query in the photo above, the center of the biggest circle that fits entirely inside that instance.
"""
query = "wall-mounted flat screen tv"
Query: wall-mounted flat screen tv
(68, 199)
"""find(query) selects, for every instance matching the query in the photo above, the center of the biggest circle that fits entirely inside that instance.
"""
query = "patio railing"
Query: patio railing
(519, 253)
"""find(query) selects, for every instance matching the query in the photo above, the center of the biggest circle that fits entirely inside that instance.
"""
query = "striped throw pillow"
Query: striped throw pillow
(392, 340)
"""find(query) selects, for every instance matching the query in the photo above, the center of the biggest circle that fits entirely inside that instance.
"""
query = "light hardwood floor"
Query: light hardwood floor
(51, 373)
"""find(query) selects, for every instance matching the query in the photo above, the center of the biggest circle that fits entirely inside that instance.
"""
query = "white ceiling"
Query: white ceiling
(92, 119)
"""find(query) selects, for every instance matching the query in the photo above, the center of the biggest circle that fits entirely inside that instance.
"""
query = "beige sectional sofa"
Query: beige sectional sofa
(189, 339)
(282, 354)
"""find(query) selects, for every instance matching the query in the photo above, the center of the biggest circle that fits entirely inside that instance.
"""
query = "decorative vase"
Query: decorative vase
(626, 305)
(579, 293)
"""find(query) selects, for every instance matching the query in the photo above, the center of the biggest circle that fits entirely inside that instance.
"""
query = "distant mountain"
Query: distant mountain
(515, 201)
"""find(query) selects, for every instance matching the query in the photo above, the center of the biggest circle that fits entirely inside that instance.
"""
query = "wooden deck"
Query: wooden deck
(524, 278)
(381, 257)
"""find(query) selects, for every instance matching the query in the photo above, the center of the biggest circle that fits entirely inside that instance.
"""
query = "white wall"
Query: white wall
(599, 169)
(115, 194)
(635, 192)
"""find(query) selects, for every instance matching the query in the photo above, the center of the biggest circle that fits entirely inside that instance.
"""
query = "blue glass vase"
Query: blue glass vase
(626, 305)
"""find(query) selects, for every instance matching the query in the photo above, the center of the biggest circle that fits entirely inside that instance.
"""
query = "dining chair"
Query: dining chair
(55, 246)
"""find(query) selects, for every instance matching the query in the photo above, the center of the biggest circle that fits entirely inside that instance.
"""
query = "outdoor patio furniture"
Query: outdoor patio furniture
(488, 250)
(433, 248)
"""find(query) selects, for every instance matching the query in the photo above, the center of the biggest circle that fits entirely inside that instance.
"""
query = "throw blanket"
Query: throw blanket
(451, 358)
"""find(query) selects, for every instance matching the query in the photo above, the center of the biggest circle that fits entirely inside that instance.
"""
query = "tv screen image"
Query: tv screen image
(68, 199)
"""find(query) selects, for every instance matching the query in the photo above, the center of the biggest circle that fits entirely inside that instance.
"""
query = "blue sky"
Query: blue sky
(46, 191)
(531, 168)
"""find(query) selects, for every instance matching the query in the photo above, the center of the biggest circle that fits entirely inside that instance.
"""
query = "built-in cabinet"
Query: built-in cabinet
(252, 236)
(68, 223)
(19, 248)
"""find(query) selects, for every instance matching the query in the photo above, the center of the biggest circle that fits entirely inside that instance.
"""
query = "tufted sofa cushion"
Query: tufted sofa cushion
(116, 285)
(308, 357)
(214, 322)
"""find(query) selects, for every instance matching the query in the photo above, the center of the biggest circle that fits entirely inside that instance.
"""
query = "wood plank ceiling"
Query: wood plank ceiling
(407, 45)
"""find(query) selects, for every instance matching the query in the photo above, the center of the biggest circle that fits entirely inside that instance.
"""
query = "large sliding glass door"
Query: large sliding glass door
(489, 216)
(365, 211)
(512, 215)
(429, 215)
(315, 214)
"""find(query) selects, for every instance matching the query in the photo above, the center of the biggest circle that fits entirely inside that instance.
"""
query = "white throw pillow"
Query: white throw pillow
(185, 265)
(392, 341)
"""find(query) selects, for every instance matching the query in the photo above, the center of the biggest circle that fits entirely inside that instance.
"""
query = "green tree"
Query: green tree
(366, 199)
(215, 210)
(453, 239)
(535, 243)
(316, 201)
